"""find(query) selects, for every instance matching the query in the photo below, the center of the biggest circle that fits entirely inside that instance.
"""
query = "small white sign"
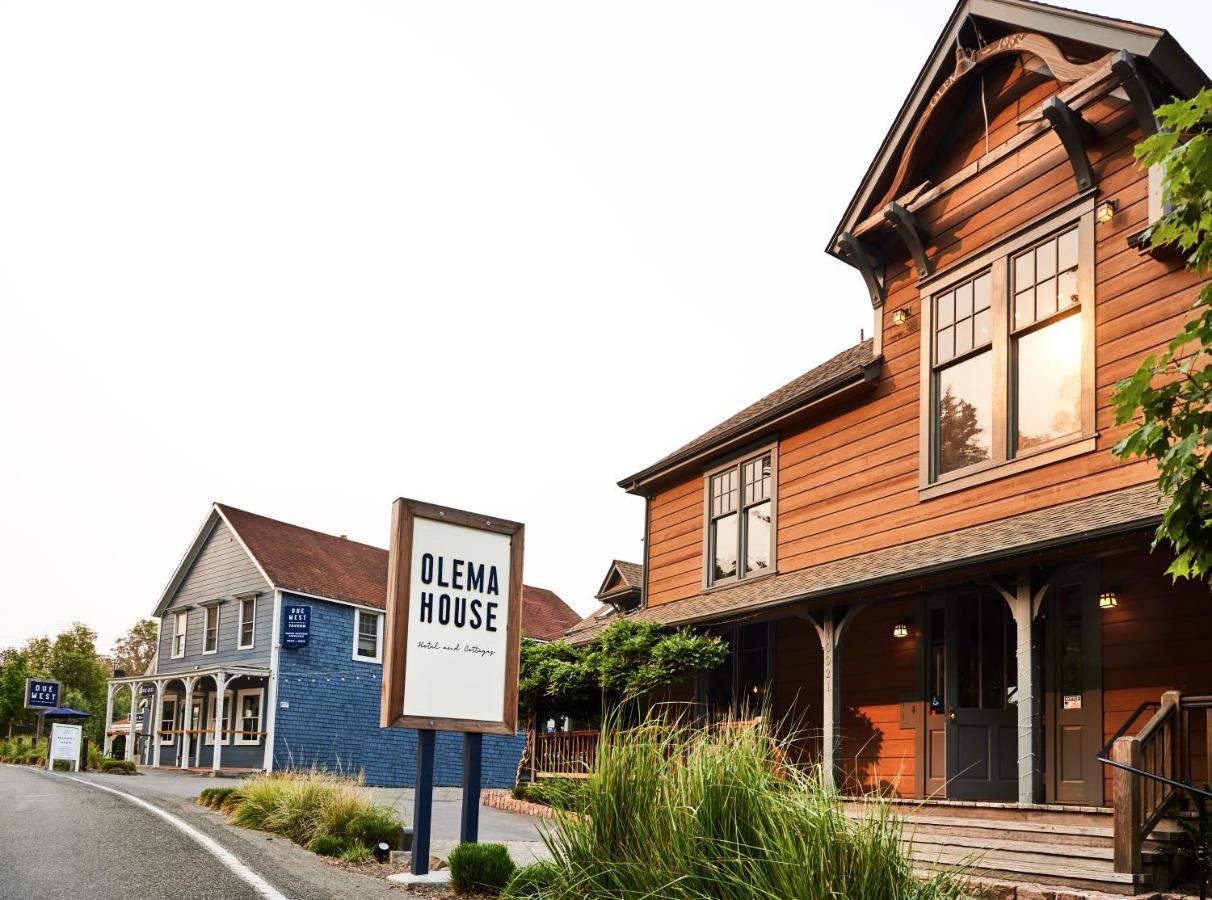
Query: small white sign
(1073, 701)
(64, 744)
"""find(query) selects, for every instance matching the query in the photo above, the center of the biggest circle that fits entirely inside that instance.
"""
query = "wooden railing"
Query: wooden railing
(568, 754)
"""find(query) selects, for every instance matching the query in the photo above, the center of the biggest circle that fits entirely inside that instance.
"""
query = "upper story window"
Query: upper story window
(210, 636)
(1008, 348)
(180, 623)
(740, 519)
(368, 636)
(248, 622)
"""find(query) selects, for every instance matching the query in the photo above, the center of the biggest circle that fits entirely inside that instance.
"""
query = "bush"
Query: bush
(533, 880)
(327, 845)
(480, 867)
(569, 794)
(356, 854)
(94, 757)
(121, 766)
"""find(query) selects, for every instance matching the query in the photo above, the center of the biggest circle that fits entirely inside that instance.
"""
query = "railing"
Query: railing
(1152, 768)
(569, 754)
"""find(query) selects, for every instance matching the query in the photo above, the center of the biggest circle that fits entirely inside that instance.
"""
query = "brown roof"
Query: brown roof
(631, 577)
(845, 366)
(1107, 514)
(324, 565)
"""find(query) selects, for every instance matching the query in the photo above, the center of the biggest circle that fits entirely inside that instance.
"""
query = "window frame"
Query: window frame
(738, 461)
(357, 627)
(171, 718)
(207, 609)
(229, 713)
(998, 260)
(239, 737)
(242, 599)
(179, 616)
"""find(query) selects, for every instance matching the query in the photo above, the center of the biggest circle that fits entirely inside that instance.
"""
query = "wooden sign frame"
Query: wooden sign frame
(404, 513)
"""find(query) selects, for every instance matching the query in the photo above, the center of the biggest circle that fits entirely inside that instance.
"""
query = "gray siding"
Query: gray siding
(221, 570)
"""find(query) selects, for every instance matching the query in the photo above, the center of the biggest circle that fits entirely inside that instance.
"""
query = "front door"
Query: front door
(981, 679)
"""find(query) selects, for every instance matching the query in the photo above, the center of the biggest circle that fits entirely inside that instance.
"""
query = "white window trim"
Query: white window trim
(167, 740)
(229, 711)
(206, 611)
(240, 737)
(240, 645)
(378, 657)
(181, 615)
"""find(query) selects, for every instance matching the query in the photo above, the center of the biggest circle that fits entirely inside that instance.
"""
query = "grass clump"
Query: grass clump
(533, 881)
(675, 812)
(329, 814)
(480, 867)
(119, 766)
(216, 798)
(568, 794)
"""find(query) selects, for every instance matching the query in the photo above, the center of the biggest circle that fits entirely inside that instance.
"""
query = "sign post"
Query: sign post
(454, 602)
(41, 694)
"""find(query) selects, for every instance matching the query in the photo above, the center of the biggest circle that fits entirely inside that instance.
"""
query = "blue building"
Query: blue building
(227, 692)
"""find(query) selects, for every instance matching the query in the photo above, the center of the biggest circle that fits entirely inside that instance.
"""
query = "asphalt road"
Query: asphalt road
(61, 838)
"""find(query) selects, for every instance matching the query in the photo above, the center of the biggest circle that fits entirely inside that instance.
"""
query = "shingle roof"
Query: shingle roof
(1106, 514)
(849, 363)
(631, 576)
(324, 565)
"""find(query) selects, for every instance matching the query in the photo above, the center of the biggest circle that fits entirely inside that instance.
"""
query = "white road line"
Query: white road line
(237, 868)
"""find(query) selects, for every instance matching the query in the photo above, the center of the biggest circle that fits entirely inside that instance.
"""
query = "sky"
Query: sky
(303, 258)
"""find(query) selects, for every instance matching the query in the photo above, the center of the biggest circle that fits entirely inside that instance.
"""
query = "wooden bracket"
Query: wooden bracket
(857, 255)
(1138, 90)
(911, 232)
(1075, 133)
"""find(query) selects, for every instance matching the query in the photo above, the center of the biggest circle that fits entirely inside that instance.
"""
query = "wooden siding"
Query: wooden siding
(222, 569)
(849, 480)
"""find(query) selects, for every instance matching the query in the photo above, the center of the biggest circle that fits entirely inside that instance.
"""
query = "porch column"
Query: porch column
(158, 712)
(829, 630)
(1022, 608)
(187, 721)
(220, 686)
(134, 710)
(108, 742)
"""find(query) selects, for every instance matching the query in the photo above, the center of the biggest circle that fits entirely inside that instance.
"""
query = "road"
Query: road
(66, 838)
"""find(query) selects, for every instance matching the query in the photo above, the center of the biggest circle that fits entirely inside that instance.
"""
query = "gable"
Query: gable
(220, 567)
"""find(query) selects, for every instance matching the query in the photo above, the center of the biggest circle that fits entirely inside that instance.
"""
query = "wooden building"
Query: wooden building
(922, 551)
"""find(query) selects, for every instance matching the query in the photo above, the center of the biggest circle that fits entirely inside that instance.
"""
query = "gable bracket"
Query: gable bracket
(858, 255)
(1075, 133)
(1138, 89)
(911, 232)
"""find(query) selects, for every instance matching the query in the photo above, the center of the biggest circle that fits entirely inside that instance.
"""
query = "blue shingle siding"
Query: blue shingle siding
(333, 715)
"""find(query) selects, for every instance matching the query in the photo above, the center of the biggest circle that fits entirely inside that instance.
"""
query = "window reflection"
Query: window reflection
(757, 538)
(965, 412)
(1048, 398)
(724, 546)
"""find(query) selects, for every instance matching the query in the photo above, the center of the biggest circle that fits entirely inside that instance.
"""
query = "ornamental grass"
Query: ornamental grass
(677, 812)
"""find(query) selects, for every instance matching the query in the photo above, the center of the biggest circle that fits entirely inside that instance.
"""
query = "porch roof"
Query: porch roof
(201, 672)
(1105, 515)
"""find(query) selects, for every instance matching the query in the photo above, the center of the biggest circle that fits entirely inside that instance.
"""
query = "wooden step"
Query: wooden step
(1109, 883)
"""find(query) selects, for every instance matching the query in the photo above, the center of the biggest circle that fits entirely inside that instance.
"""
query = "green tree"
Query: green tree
(133, 651)
(14, 669)
(1169, 398)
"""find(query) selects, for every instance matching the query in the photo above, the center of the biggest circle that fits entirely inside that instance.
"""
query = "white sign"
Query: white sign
(453, 610)
(1073, 701)
(64, 744)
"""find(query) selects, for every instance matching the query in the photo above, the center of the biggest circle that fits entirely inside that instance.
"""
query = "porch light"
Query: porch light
(1108, 600)
(382, 851)
(900, 630)
(1106, 211)
(901, 316)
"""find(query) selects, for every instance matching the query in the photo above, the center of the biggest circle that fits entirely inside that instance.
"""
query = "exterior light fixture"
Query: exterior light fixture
(900, 316)
(900, 630)
(1106, 211)
(382, 851)
(1108, 600)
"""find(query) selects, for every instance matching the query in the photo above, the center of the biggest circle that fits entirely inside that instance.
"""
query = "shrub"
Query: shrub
(94, 757)
(327, 845)
(121, 766)
(372, 825)
(356, 854)
(205, 795)
(480, 867)
(569, 794)
(533, 880)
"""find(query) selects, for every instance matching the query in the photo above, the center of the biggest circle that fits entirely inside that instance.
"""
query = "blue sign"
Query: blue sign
(296, 625)
(148, 690)
(41, 693)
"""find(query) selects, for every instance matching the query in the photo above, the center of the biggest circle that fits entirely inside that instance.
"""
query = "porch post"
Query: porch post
(1023, 610)
(108, 742)
(220, 686)
(829, 629)
(158, 711)
(187, 721)
(134, 710)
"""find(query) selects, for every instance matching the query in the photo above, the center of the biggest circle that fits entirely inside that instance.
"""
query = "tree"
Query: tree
(14, 669)
(1170, 397)
(133, 651)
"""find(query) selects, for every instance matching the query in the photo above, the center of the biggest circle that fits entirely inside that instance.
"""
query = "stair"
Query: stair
(1051, 846)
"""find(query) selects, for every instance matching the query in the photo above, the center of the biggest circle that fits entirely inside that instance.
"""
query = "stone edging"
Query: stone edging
(502, 799)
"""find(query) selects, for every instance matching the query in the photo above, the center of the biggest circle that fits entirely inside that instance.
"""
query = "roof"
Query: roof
(630, 579)
(851, 365)
(304, 561)
(1105, 515)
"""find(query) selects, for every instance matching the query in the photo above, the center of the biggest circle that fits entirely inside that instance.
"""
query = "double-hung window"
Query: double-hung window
(740, 536)
(1008, 356)
(229, 717)
(180, 623)
(210, 634)
(248, 622)
(368, 636)
(248, 712)
(168, 721)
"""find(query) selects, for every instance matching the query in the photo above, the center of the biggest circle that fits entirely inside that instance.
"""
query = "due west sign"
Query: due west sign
(296, 625)
(41, 693)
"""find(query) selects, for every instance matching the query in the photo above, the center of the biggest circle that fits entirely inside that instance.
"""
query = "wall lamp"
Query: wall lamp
(1108, 600)
(900, 316)
(1106, 211)
(900, 630)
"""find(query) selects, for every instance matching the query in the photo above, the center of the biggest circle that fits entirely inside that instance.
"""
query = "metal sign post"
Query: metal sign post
(469, 825)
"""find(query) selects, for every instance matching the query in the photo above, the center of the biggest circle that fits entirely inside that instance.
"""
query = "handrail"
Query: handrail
(1123, 729)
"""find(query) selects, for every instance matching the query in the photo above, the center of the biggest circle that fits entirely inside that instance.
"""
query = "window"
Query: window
(168, 721)
(740, 519)
(248, 622)
(368, 636)
(737, 687)
(248, 710)
(1008, 348)
(229, 717)
(180, 622)
(210, 636)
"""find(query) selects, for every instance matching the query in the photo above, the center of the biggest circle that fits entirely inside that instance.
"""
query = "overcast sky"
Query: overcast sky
(304, 258)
